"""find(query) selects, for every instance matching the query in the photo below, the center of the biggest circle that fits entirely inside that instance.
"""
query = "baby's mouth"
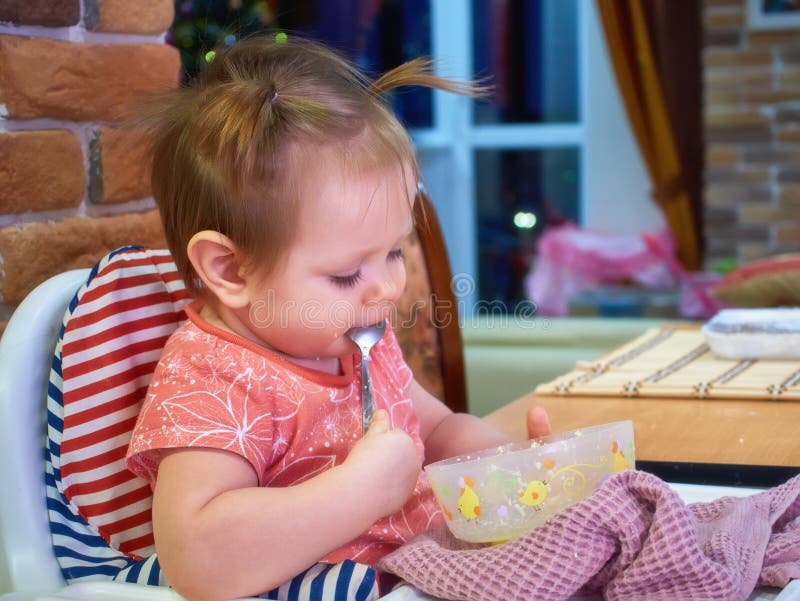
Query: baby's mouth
(374, 316)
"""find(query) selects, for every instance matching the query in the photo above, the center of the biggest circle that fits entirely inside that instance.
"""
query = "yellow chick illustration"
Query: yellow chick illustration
(468, 503)
(620, 463)
(534, 494)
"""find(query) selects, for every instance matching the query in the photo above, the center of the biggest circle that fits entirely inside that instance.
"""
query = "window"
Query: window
(529, 49)
(376, 35)
(498, 170)
(516, 192)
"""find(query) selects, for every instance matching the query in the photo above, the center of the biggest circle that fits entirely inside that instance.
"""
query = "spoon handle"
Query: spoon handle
(367, 406)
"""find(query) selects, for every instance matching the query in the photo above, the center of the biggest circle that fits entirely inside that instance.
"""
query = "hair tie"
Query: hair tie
(269, 102)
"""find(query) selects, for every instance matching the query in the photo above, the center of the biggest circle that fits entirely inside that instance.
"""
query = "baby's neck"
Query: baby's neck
(330, 365)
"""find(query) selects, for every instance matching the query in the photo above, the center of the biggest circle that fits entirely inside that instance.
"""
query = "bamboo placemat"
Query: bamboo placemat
(675, 362)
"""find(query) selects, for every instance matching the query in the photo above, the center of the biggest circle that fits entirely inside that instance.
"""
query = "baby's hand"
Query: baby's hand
(538, 423)
(389, 459)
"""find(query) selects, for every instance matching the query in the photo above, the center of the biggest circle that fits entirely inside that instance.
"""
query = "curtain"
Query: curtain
(655, 51)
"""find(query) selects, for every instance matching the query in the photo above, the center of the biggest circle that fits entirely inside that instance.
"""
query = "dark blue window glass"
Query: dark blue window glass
(377, 34)
(529, 51)
(518, 194)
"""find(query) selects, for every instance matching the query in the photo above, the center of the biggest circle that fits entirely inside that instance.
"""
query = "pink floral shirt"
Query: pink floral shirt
(217, 390)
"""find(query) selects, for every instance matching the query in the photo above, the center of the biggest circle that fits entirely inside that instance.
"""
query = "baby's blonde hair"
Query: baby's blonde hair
(229, 149)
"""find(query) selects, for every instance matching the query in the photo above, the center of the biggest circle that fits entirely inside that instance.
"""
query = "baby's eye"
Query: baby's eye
(346, 281)
(396, 254)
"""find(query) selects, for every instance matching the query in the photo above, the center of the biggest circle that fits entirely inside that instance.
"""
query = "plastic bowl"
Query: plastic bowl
(503, 492)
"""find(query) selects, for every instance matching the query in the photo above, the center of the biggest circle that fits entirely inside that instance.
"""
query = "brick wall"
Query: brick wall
(73, 185)
(752, 129)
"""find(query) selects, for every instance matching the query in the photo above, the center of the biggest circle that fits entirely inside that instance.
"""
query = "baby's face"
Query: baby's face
(345, 268)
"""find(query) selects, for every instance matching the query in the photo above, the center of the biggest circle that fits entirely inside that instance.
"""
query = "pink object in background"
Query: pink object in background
(695, 301)
(571, 260)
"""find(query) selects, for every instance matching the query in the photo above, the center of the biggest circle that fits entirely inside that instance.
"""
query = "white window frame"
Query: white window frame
(454, 137)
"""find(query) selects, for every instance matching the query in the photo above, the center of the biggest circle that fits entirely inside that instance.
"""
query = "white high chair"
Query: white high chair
(28, 567)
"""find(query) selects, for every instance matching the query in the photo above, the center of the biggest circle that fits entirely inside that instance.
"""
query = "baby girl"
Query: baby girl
(286, 187)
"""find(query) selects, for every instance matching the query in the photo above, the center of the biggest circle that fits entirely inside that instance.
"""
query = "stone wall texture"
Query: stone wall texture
(752, 135)
(74, 184)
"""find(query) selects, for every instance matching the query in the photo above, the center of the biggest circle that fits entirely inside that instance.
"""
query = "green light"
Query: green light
(209, 56)
(525, 220)
(281, 37)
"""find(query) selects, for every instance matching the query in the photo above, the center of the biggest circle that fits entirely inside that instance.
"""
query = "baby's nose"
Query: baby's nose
(389, 288)
(384, 292)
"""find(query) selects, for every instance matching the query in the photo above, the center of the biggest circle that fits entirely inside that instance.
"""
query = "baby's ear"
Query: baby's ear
(216, 260)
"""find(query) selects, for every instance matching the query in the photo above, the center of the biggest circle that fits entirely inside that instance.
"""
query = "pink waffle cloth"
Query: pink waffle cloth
(632, 539)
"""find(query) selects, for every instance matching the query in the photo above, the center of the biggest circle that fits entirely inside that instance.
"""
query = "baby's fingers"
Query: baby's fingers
(380, 423)
(538, 423)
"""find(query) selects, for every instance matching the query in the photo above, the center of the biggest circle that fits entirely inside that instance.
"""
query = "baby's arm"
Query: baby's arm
(447, 434)
(219, 535)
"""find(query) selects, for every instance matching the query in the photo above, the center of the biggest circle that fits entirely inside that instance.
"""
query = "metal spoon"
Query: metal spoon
(366, 338)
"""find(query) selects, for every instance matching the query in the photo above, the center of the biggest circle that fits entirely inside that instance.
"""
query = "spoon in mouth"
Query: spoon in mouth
(365, 338)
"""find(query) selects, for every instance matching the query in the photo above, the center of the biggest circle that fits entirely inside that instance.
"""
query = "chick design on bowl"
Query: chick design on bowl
(534, 494)
(620, 463)
(507, 491)
(468, 502)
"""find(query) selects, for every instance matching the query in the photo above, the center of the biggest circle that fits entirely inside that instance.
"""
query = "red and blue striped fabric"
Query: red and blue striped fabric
(110, 347)
(110, 341)
(100, 513)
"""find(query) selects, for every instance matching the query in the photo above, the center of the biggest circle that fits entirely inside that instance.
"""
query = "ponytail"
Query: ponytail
(419, 72)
